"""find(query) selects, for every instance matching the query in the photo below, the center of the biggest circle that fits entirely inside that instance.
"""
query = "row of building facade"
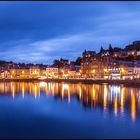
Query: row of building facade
(105, 66)
(37, 73)
(96, 68)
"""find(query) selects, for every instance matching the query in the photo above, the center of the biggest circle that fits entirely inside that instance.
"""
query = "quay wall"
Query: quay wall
(84, 81)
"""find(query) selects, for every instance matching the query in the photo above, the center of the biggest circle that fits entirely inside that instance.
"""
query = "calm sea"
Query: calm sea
(63, 110)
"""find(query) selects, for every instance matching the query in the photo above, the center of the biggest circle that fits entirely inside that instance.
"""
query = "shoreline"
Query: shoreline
(83, 81)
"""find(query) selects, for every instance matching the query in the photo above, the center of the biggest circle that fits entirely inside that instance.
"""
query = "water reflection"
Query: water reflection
(133, 105)
(117, 99)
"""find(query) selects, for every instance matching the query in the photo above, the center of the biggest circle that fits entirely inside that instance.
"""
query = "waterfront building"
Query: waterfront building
(106, 56)
(93, 69)
(138, 53)
(114, 73)
(112, 70)
(87, 58)
(132, 52)
(43, 73)
(5, 74)
(64, 72)
(19, 73)
(101, 65)
(74, 72)
(34, 72)
(127, 72)
(52, 72)
(88, 54)
(127, 69)
(136, 72)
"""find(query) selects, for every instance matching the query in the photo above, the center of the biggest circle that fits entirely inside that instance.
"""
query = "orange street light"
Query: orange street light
(93, 71)
(105, 70)
(23, 72)
(123, 71)
(13, 72)
(35, 72)
(63, 71)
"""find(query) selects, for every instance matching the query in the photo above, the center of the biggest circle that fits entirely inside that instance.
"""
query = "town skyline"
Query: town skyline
(134, 46)
(39, 32)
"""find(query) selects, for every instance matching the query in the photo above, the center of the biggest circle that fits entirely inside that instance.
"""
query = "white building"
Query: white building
(138, 52)
(133, 52)
(114, 73)
(127, 72)
(137, 72)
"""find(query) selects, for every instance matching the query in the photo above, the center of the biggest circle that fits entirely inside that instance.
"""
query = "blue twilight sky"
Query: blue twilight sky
(40, 32)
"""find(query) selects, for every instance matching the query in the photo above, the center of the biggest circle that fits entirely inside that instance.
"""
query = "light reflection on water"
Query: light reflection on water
(115, 98)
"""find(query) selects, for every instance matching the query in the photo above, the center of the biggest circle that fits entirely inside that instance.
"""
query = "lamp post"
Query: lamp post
(93, 71)
(80, 71)
(62, 72)
(22, 73)
(105, 72)
(122, 71)
(4, 75)
(13, 73)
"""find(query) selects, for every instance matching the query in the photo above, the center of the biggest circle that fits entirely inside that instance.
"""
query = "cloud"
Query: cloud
(70, 47)
(43, 31)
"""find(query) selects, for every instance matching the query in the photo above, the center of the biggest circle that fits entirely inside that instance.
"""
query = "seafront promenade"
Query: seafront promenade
(133, 82)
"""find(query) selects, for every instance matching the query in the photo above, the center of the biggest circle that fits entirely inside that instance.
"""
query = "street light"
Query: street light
(13, 72)
(63, 71)
(123, 71)
(23, 72)
(93, 71)
(105, 70)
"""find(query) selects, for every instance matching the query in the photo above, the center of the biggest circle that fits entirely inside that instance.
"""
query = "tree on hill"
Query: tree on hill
(57, 63)
(116, 49)
(130, 58)
(137, 57)
(78, 61)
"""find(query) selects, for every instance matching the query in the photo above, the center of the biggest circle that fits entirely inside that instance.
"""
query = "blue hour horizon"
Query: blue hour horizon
(39, 32)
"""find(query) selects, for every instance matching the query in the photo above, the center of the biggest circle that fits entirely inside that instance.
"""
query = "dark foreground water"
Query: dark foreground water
(61, 110)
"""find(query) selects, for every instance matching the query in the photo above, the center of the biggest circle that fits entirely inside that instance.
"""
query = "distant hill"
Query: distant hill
(134, 46)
